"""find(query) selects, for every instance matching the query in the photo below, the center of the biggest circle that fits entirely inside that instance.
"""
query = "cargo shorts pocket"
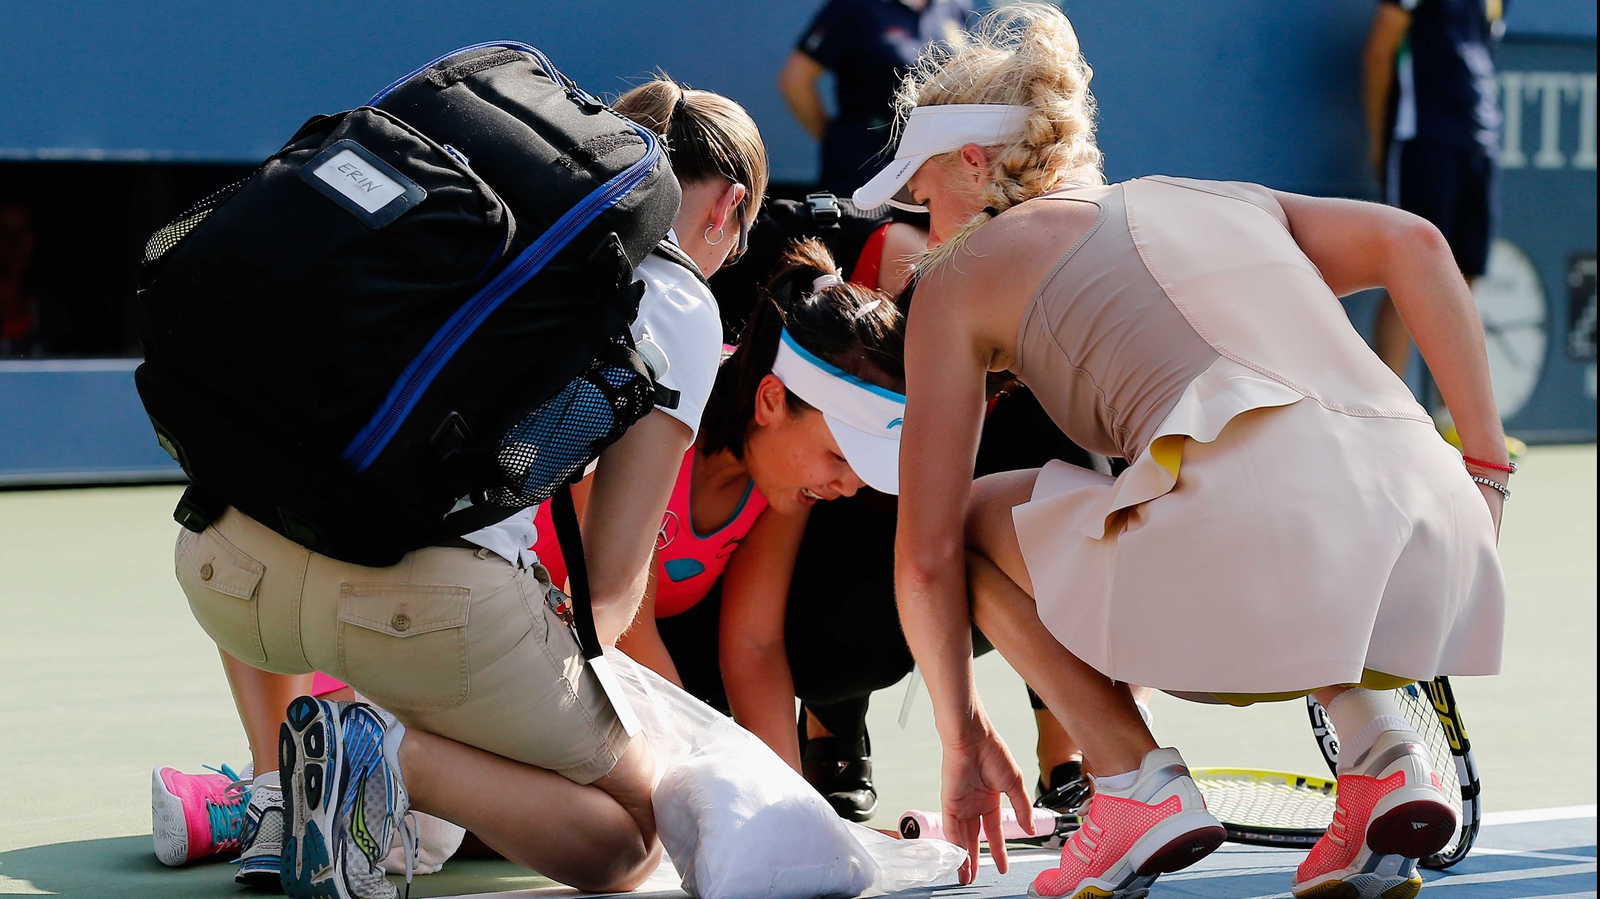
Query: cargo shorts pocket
(221, 583)
(405, 645)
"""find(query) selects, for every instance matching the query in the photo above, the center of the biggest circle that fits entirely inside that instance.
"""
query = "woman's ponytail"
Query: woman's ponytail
(854, 328)
(706, 134)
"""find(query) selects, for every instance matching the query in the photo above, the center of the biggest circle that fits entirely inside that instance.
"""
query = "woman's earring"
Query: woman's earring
(721, 233)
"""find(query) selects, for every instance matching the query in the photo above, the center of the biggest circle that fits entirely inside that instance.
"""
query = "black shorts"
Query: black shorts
(1452, 187)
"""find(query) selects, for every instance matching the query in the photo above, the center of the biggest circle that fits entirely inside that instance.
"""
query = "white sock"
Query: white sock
(249, 770)
(1360, 716)
(269, 779)
(1116, 783)
(392, 737)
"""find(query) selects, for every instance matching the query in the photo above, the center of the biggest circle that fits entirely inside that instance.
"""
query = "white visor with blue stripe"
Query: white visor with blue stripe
(864, 418)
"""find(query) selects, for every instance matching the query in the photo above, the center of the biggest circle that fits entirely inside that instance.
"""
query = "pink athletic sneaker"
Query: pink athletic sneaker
(194, 816)
(1129, 837)
(1387, 816)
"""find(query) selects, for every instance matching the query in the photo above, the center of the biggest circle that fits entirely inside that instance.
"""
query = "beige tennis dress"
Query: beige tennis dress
(1291, 518)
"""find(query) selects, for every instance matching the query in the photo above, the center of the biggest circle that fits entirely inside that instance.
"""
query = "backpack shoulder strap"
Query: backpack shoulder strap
(673, 253)
(565, 516)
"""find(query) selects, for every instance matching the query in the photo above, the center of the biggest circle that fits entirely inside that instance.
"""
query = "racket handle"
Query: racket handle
(930, 825)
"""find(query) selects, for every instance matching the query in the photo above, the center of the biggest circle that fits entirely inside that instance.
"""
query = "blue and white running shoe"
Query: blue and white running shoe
(262, 845)
(343, 799)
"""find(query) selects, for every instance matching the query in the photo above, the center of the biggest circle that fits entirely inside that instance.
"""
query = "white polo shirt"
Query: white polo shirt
(678, 314)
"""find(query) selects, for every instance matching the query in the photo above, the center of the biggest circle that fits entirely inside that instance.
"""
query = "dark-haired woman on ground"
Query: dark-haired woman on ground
(807, 409)
(841, 632)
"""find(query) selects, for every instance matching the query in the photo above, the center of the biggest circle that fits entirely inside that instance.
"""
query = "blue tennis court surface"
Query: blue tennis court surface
(1542, 854)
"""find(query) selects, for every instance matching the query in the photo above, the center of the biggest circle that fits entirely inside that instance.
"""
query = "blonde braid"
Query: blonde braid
(1025, 54)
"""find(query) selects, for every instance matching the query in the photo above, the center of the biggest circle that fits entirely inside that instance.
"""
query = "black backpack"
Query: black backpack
(413, 319)
(840, 224)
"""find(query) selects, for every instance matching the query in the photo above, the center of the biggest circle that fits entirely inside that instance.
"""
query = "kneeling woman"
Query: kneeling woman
(807, 409)
(1291, 521)
(532, 758)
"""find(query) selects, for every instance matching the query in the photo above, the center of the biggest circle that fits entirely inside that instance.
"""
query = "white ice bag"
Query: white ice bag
(739, 823)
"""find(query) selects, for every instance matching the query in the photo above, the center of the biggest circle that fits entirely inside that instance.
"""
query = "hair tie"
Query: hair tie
(864, 311)
(823, 282)
(682, 102)
(991, 212)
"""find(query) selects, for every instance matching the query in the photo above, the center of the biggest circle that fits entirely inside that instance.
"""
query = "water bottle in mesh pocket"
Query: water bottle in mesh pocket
(553, 443)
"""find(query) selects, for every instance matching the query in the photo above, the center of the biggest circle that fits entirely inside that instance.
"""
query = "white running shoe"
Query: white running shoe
(262, 848)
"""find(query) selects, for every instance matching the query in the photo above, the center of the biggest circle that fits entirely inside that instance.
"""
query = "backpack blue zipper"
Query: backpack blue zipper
(371, 440)
(549, 67)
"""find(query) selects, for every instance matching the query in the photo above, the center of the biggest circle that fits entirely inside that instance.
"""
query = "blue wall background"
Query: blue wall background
(1259, 90)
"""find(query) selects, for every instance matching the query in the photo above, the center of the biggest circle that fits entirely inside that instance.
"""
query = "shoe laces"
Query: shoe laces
(1083, 843)
(409, 846)
(1338, 827)
(227, 814)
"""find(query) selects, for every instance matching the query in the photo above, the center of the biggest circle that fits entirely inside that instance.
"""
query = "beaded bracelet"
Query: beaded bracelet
(1509, 468)
(1491, 482)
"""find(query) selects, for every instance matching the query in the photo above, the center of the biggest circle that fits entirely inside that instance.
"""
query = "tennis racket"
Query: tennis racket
(1267, 808)
(1432, 711)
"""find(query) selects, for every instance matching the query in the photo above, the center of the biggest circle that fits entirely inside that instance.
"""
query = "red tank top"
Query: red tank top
(687, 563)
(870, 262)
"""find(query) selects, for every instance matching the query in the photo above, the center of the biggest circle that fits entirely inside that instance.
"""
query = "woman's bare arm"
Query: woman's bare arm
(903, 244)
(797, 81)
(642, 641)
(944, 415)
(755, 598)
(626, 501)
(1360, 245)
(1384, 37)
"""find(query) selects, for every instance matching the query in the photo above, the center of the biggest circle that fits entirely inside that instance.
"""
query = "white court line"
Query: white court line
(1450, 880)
(12, 886)
(55, 366)
(1524, 816)
(1535, 815)
(1528, 853)
(1210, 873)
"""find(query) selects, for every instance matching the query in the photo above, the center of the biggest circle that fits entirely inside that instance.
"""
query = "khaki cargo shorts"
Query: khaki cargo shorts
(456, 642)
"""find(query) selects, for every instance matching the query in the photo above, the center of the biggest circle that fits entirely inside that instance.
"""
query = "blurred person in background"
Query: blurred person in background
(1433, 130)
(19, 301)
(867, 45)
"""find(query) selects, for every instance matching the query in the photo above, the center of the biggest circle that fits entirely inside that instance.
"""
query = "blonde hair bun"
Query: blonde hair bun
(1025, 54)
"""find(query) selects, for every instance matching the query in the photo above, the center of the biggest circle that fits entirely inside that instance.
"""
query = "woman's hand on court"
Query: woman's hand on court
(975, 775)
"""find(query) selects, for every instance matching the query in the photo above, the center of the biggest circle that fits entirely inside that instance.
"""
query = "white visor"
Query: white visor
(932, 130)
(864, 418)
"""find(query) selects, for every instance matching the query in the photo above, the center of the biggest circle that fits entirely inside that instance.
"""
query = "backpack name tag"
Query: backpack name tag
(366, 186)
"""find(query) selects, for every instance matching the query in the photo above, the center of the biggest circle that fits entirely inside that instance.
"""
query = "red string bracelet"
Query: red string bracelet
(1510, 468)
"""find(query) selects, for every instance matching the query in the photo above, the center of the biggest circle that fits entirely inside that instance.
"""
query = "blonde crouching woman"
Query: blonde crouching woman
(1291, 521)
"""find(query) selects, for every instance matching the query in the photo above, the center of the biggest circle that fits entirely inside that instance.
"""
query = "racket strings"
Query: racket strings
(1266, 803)
(1419, 712)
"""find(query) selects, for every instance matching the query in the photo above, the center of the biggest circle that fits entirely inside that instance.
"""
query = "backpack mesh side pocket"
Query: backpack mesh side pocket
(553, 443)
(162, 242)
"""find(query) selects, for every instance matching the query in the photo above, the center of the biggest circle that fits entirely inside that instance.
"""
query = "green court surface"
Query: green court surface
(104, 675)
